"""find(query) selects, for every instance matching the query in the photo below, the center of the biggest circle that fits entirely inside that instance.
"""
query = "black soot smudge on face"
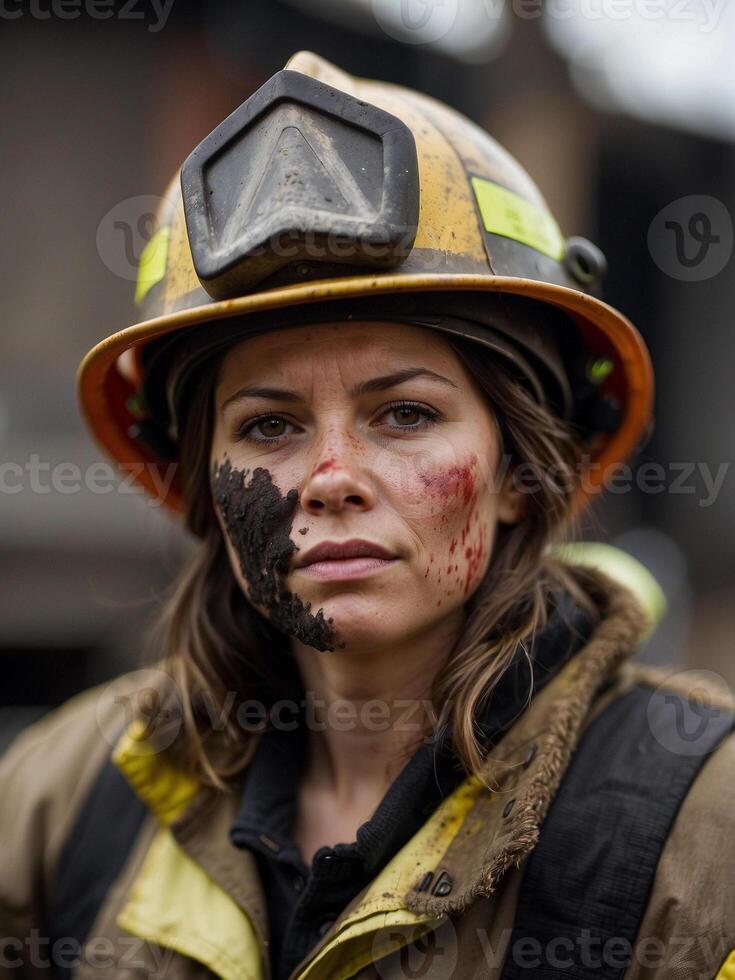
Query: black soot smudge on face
(259, 519)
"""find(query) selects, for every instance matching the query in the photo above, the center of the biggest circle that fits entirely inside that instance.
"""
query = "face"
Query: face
(356, 432)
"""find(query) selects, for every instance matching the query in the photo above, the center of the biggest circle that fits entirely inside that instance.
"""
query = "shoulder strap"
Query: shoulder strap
(94, 855)
(587, 882)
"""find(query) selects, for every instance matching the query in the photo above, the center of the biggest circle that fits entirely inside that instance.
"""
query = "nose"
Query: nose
(337, 482)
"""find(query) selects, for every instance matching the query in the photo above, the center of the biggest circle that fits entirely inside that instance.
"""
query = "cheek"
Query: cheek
(454, 518)
(235, 562)
(257, 520)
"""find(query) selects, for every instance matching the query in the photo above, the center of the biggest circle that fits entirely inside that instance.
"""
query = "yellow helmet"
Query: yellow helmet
(322, 193)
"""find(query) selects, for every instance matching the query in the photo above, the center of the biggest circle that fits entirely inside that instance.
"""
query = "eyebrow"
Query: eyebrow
(362, 388)
(390, 380)
(252, 391)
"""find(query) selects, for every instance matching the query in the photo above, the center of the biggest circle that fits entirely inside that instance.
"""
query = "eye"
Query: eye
(406, 412)
(407, 415)
(271, 428)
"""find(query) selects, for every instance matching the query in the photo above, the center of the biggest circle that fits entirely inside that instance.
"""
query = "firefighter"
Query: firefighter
(391, 727)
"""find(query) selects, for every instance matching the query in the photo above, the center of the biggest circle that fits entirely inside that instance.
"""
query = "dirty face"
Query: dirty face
(356, 432)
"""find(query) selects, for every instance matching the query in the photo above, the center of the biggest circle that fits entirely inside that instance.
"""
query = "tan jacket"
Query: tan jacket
(188, 904)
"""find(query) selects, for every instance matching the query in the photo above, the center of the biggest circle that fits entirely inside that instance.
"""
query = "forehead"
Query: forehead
(352, 347)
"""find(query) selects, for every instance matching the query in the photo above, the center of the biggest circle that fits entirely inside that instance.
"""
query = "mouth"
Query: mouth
(355, 558)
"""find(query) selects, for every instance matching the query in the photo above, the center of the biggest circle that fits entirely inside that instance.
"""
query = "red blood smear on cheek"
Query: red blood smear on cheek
(466, 528)
(475, 556)
(455, 480)
(457, 483)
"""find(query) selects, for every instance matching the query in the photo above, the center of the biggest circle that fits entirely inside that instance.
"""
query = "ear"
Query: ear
(511, 502)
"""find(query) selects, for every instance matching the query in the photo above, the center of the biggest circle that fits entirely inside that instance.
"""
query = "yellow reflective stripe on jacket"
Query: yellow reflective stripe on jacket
(357, 941)
(166, 790)
(727, 970)
(173, 902)
(367, 942)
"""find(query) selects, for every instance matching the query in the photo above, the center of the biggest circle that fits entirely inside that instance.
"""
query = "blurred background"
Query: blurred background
(623, 111)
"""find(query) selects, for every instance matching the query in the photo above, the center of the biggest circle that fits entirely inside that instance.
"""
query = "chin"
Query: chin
(362, 617)
(372, 621)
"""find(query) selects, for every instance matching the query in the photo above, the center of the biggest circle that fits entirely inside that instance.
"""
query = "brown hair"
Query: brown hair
(218, 646)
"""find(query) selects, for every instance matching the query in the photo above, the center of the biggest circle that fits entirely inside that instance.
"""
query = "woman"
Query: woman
(386, 732)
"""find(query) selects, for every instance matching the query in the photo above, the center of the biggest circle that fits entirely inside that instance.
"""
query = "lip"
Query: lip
(339, 560)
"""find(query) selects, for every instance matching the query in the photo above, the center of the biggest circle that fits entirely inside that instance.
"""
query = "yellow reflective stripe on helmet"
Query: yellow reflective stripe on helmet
(622, 567)
(507, 214)
(365, 934)
(174, 903)
(166, 790)
(727, 970)
(152, 263)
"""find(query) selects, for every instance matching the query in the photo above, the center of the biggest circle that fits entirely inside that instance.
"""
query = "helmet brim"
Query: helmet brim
(104, 389)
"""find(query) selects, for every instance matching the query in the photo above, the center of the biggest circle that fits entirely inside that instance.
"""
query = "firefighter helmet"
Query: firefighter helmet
(323, 193)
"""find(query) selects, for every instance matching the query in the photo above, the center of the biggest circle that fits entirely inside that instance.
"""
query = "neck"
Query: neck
(368, 710)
